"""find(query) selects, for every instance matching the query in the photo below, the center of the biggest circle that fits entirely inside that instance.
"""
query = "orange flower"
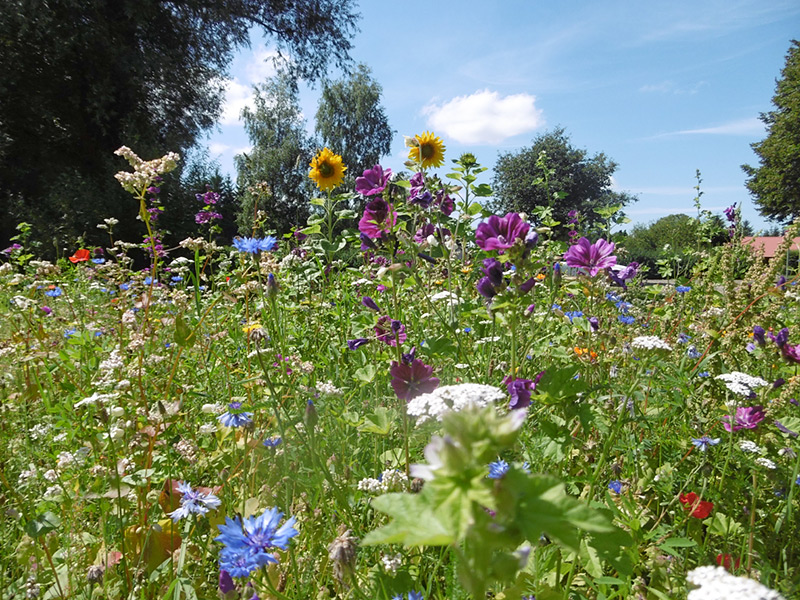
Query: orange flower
(540, 276)
(81, 255)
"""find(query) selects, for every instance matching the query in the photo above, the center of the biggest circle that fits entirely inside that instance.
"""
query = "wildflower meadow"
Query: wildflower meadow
(408, 396)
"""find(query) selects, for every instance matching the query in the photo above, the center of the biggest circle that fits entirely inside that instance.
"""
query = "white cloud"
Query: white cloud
(261, 65)
(216, 148)
(484, 117)
(237, 96)
(751, 126)
(670, 87)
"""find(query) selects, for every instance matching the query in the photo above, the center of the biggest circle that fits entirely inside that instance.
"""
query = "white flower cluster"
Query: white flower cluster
(748, 446)
(715, 583)
(144, 172)
(96, 398)
(391, 480)
(650, 342)
(741, 384)
(451, 298)
(452, 397)
(328, 388)
(392, 562)
(766, 463)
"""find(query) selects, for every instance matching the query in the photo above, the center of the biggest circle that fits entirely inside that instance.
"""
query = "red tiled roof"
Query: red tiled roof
(769, 244)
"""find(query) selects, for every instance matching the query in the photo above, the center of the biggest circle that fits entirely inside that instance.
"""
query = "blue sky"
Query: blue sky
(662, 88)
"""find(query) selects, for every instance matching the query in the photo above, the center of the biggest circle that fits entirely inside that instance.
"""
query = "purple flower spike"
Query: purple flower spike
(370, 303)
(390, 332)
(378, 217)
(493, 269)
(412, 380)
(226, 584)
(758, 335)
(781, 339)
(520, 392)
(373, 181)
(591, 258)
(747, 417)
(486, 289)
(356, 343)
(500, 233)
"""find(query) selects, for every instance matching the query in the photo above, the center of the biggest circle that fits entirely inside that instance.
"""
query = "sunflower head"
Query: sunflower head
(427, 150)
(327, 170)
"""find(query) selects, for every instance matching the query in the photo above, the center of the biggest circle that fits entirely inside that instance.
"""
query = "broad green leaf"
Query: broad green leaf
(42, 524)
(677, 542)
(380, 422)
(413, 523)
(366, 373)
(184, 336)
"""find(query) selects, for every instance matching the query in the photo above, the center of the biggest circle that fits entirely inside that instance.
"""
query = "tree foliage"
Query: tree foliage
(568, 179)
(352, 122)
(775, 184)
(83, 77)
(274, 174)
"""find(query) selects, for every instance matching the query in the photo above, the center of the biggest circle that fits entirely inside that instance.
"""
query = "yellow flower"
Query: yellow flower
(327, 170)
(427, 150)
(251, 327)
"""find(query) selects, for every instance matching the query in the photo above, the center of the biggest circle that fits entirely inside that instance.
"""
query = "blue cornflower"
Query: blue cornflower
(467, 329)
(498, 469)
(249, 543)
(193, 502)
(797, 481)
(176, 278)
(626, 319)
(682, 289)
(54, 293)
(693, 352)
(148, 280)
(412, 595)
(623, 306)
(235, 419)
(70, 332)
(125, 286)
(272, 442)
(704, 374)
(573, 314)
(705, 442)
(684, 338)
(254, 245)
(556, 307)
(615, 485)
(612, 297)
(98, 261)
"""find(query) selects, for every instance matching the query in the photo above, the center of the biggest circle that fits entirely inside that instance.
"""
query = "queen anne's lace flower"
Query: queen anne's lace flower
(452, 397)
(715, 583)
(741, 384)
(650, 342)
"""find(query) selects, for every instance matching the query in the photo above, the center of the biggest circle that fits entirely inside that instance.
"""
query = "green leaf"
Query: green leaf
(318, 201)
(366, 373)
(184, 336)
(413, 523)
(678, 543)
(474, 209)
(380, 422)
(43, 524)
(483, 190)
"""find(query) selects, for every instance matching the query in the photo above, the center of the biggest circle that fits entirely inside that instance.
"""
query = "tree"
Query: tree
(83, 77)
(775, 184)
(523, 182)
(274, 174)
(352, 122)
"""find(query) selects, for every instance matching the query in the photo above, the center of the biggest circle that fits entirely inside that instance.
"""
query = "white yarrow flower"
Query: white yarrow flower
(741, 384)
(650, 342)
(452, 397)
(715, 583)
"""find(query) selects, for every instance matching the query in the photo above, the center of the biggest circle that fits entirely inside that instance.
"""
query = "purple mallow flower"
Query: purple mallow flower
(747, 417)
(493, 269)
(412, 379)
(373, 181)
(378, 218)
(591, 258)
(390, 331)
(500, 233)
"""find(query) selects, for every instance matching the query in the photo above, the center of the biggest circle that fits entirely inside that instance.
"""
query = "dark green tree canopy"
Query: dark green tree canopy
(83, 77)
(352, 122)
(582, 182)
(279, 158)
(775, 184)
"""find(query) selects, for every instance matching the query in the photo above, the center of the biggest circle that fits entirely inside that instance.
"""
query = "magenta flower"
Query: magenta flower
(390, 331)
(413, 379)
(378, 217)
(591, 258)
(500, 233)
(747, 417)
(373, 181)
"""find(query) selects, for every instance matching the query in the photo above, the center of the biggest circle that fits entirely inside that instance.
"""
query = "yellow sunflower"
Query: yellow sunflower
(427, 150)
(327, 170)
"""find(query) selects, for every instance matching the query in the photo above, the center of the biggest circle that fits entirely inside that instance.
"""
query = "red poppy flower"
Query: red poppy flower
(81, 255)
(726, 560)
(700, 508)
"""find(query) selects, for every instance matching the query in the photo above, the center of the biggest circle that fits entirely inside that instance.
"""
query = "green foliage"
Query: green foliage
(274, 173)
(775, 183)
(565, 179)
(79, 76)
(352, 122)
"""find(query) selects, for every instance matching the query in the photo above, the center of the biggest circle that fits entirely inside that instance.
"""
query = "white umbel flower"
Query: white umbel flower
(741, 384)
(452, 397)
(715, 583)
(650, 342)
